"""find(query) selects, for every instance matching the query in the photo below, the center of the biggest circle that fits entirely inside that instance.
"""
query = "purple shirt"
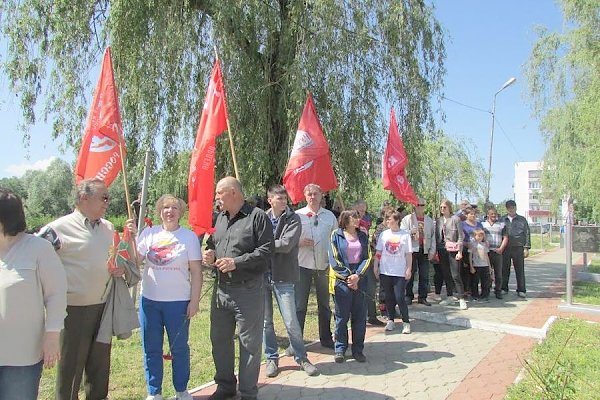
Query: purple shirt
(353, 251)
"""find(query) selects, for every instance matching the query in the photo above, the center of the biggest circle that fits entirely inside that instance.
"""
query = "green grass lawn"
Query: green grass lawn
(594, 266)
(586, 292)
(539, 244)
(127, 373)
(564, 366)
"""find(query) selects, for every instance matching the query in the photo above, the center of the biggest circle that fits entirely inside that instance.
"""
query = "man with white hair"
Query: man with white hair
(82, 240)
(422, 233)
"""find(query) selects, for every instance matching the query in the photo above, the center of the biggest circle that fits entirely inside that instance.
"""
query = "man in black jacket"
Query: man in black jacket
(280, 280)
(240, 249)
(519, 243)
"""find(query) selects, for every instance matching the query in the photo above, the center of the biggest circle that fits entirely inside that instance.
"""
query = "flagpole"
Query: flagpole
(235, 167)
(129, 212)
(127, 196)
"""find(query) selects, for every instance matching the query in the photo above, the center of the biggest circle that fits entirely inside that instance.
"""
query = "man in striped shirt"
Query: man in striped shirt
(497, 238)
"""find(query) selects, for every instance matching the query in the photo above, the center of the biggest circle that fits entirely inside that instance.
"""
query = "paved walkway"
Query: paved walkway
(451, 354)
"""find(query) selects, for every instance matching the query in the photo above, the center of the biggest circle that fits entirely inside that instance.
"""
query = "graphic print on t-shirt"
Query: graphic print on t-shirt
(392, 246)
(164, 252)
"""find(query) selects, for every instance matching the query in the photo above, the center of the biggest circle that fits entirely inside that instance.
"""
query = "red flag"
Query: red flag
(394, 162)
(201, 181)
(310, 161)
(99, 155)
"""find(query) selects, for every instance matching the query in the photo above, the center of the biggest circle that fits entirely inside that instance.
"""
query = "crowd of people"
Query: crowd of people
(256, 256)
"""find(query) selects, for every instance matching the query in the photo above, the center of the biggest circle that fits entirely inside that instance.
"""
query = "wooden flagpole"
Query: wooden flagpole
(235, 168)
(127, 196)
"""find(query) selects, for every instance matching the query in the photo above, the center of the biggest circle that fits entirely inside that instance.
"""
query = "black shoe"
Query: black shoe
(222, 395)
(375, 321)
(409, 300)
(424, 302)
(359, 357)
(339, 358)
(499, 296)
(329, 345)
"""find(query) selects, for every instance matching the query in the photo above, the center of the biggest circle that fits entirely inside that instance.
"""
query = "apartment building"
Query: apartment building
(528, 193)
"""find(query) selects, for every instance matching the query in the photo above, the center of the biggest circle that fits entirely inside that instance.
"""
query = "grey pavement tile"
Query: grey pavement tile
(440, 355)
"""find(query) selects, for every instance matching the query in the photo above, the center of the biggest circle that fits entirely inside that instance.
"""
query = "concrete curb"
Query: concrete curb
(536, 333)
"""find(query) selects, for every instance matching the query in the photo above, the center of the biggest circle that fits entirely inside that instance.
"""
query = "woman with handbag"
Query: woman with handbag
(449, 238)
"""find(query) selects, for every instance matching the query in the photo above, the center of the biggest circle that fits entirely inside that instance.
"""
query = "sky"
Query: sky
(488, 42)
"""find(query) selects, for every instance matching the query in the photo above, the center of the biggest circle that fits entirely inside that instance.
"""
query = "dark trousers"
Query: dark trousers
(395, 287)
(420, 265)
(321, 279)
(515, 255)
(350, 306)
(482, 275)
(451, 266)
(80, 354)
(371, 291)
(469, 279)
(441, 277)
(496, 261)
(242, 304)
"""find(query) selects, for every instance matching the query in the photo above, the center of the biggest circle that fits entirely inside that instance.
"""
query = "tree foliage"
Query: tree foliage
(564, 87)
(356, 57)
(449, 166)
(49, 192)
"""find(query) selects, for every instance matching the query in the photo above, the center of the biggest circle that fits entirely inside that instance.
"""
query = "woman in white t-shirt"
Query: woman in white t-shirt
(393, 255)
(171, 285)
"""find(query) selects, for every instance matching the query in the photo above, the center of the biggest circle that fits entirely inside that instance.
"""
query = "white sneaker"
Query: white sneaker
(390, 325)
(462, 304)
(183, 396)
(154, 397)
(449, 301)
(406, 328)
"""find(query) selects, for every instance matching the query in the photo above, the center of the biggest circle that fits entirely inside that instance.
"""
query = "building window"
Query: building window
(535, 174)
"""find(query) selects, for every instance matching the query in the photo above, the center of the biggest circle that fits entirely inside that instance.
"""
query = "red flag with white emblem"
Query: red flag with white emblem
(310, 161)
(201, 180)
(394, 163)
(99, 155)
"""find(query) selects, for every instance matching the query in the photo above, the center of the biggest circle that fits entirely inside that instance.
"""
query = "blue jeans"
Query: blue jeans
(20, 383)
(155, 317)
(286, 300)
(350, 305)
(321, 278)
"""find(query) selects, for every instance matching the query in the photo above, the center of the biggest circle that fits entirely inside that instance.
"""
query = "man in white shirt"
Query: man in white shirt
(422, 234)
(317, 225)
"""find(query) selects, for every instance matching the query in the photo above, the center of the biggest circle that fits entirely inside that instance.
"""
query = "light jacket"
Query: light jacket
(451, 231)
(119, 317)
(410, 221)
(339, 268)
(284, 262)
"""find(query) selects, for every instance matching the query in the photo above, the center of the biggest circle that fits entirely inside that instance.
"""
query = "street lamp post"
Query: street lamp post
(506, 84)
